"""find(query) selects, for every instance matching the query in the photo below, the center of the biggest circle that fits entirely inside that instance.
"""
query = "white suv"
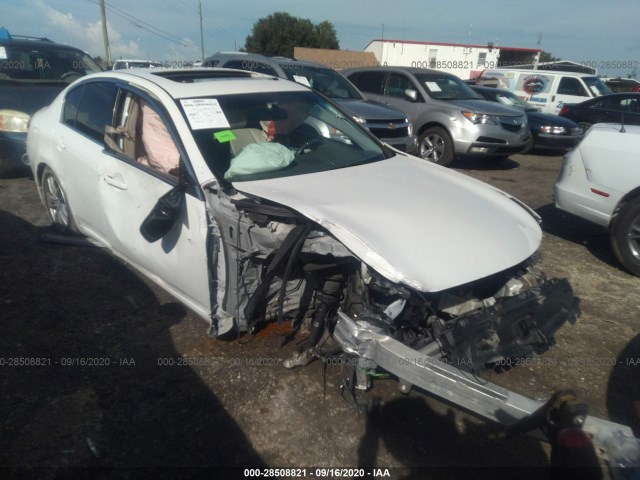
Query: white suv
(600, 181)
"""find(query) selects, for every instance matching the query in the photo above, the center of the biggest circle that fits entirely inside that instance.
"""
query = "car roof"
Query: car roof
(39, 43)
(385, 68)
(198, 82)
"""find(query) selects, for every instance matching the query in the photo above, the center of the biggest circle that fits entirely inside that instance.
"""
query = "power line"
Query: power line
(137, 22)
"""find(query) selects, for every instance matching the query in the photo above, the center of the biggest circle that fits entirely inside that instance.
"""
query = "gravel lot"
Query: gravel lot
(127, 406)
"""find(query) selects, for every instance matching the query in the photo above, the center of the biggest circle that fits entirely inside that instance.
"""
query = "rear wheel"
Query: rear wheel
(625, 236)
(436, 146)
(56, 203)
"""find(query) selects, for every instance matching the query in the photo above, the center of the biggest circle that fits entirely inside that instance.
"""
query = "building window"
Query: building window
(433, 55)
(482, 59)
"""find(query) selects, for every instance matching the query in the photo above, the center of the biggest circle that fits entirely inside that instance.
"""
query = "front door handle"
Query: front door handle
(60, 143)
(109, 180)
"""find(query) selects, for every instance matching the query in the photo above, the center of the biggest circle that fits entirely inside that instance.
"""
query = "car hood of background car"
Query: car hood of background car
(369, 110)
(414, 222)
(485, 106)
(539, 118)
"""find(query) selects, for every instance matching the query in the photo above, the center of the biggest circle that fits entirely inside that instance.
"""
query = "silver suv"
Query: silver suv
(388, 124)
(449, 118)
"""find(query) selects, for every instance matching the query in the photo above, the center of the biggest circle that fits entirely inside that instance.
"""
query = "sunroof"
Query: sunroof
(190, 76)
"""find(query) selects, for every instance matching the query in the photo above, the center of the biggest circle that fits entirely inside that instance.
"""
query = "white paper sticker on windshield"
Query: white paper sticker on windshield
(433, 86)
(594, 89)
(3, 53)
(302, 80)
(204, 113)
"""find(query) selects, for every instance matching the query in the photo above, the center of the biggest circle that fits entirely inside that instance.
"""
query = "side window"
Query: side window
(370, 82)
(397, 84)
(571, 86)
(620, 104)
(252, 66)
(95, 111)
(141, 135)
(71, 102)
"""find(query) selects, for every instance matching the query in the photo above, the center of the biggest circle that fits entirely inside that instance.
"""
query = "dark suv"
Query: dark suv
(32, 72)
(388, 124)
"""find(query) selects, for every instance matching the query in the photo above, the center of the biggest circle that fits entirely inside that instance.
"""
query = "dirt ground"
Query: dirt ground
(126, 379)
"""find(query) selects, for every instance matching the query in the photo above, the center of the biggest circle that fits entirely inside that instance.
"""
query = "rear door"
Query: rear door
(79, 144)
(144, 160)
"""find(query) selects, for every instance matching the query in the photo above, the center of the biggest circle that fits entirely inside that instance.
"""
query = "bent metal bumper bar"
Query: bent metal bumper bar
(449, 383)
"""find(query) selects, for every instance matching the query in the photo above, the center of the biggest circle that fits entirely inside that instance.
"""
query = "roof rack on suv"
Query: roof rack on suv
(26, 37)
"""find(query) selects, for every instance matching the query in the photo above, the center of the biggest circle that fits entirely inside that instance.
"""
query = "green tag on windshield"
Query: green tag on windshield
(224, 136)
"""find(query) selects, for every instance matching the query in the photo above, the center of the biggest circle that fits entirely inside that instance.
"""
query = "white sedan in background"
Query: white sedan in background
(600, 181)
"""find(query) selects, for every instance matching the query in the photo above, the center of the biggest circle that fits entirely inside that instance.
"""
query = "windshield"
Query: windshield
(446, 87)
(27, 64)
(596, 86)
(512, 100)
(269, 135)
(324, 80)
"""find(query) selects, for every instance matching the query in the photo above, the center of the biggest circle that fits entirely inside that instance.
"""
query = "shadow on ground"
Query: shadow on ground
(416, 435)
(482, 163)
(623, 390)
(99, 397)
(579, 231)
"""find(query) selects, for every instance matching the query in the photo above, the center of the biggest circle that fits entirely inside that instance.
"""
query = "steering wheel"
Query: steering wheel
(309, 145)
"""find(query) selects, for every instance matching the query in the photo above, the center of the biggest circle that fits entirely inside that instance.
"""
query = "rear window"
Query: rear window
(33, 64)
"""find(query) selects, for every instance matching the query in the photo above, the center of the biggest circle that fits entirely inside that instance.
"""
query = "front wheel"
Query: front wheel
(625, 236)
(56, 203)
(435, 145)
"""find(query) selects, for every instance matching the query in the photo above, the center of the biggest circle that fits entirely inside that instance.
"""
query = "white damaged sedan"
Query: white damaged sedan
(253, 199)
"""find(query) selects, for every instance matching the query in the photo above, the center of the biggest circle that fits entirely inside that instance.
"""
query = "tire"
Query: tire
(55, 201)
(529, 147)
(584, 126)
(625, 236)
(435, 145)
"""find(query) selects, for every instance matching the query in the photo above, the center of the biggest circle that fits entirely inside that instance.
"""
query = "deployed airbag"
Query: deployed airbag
(258, 158)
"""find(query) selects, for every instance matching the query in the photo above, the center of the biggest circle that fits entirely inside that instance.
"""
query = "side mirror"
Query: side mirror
(164, 215)
(411, 94)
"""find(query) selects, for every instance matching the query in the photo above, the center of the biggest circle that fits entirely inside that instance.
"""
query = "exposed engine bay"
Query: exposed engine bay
(287, 267)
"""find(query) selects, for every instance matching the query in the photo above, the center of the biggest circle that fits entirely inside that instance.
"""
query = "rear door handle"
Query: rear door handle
(109, 180)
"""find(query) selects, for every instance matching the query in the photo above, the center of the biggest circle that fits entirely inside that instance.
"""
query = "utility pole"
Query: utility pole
(105, 35)
(536, 59)
(201, 33)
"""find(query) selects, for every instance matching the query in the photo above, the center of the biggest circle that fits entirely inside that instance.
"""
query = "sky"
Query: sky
(594, 31)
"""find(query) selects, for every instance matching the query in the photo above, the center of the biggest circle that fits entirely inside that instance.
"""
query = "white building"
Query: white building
(464, 60)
